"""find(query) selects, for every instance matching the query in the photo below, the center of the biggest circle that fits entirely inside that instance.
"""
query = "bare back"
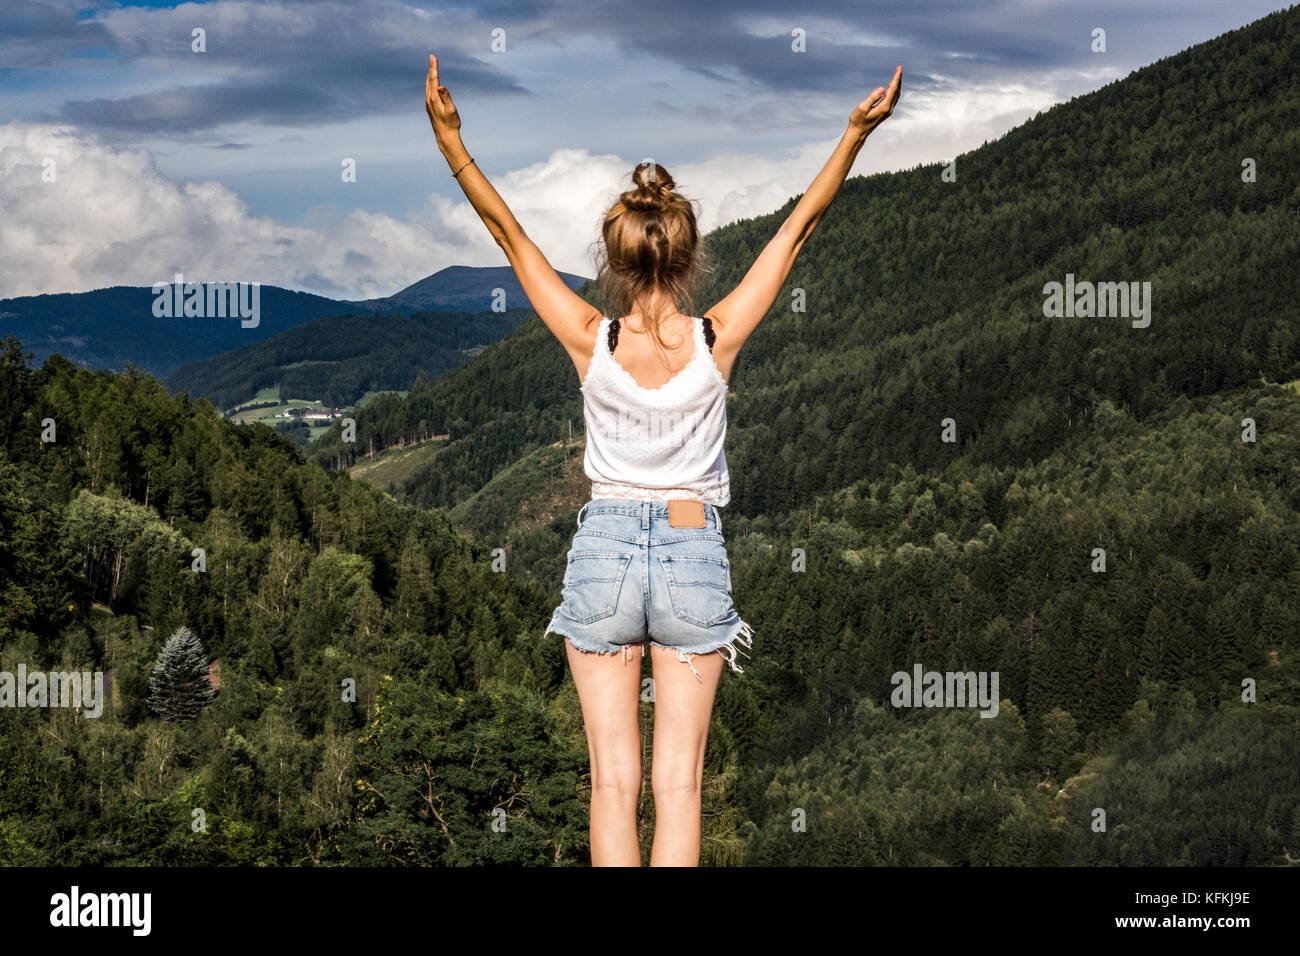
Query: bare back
(651, 365)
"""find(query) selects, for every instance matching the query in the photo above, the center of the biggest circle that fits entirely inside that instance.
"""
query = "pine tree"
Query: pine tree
(179, 688)
(188, 496)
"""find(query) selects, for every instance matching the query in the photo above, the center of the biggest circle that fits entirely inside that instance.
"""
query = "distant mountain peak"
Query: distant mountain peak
(461, 289)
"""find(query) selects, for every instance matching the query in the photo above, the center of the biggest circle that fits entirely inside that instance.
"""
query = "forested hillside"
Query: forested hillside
(313, 583)
(339, 358)
(1115, 532)
(1120, 689)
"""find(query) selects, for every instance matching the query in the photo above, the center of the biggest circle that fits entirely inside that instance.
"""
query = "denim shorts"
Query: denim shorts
(631, 578)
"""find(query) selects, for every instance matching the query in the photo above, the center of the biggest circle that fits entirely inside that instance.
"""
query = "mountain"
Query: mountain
(340, 358)
(108, 328)
(463, 289)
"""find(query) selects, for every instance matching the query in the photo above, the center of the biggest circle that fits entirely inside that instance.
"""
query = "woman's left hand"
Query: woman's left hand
(877, 107)
(438, 104)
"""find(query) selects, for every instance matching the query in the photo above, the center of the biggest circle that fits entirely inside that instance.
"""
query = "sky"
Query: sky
(128, 155)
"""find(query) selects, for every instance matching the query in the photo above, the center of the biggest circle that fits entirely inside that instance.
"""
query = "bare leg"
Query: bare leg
(608, 689)
(683, 706)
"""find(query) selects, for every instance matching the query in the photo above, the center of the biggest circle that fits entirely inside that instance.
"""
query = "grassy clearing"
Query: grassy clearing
(389, 469)
(361, 402)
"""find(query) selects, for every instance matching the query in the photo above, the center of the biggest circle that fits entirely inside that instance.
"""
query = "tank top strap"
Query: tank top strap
(703, 327)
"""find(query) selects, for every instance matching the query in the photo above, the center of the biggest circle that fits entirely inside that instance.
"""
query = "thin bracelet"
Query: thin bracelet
(456, 174)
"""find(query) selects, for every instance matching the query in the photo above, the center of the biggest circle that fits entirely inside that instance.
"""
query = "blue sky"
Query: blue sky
(226, 163)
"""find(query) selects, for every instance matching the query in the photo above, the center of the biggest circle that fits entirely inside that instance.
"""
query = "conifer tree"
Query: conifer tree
(179, 688)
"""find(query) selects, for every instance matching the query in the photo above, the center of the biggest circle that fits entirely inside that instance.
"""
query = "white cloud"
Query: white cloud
(111, 218)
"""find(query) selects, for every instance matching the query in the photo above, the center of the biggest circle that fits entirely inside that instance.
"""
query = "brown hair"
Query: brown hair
(649, 242)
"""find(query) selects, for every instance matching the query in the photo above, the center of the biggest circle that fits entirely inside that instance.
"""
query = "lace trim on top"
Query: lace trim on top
(702, 329)
(610, 489)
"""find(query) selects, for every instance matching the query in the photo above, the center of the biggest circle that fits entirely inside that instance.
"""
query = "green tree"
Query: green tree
(179, 688)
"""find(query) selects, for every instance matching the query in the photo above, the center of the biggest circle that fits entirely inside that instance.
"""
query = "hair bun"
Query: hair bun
(652, 188)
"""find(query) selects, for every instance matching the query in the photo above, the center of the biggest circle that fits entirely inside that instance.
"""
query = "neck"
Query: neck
(659, 305)
(636, 322)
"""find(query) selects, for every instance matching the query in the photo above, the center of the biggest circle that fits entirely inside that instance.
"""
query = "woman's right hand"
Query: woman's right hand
(877, 107)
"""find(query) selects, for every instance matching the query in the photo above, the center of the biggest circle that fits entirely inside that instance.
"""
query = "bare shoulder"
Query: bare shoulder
(583, 344)
(580, 336)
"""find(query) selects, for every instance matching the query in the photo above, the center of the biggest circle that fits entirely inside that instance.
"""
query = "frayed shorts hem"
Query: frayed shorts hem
(743, 634)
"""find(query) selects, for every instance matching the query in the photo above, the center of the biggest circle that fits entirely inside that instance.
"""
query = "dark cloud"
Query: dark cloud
(351, 85)
(294, 62)
(847, 45)
(41, 35)
(193, 108)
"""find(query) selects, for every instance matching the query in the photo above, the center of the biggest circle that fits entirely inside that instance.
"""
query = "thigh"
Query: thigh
(609, 688)
(683, 709)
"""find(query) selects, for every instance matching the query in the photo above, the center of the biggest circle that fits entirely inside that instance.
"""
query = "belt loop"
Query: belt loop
(645, 515)
(717, 518)
(581, 512)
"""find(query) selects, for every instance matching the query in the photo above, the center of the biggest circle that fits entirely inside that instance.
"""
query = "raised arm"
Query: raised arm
(738, 315)
(564, 311)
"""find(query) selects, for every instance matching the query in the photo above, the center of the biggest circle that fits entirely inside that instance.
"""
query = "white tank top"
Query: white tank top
(657, 443)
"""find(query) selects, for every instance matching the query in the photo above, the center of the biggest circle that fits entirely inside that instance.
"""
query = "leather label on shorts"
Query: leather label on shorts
(686, 514)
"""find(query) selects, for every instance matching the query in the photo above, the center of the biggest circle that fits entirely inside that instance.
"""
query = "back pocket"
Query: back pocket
(592, 580)
(700, 586)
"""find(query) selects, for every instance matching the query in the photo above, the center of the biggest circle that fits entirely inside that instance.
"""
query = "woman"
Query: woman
(648, 562)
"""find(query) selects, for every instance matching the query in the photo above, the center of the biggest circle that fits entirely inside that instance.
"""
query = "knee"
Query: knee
(675, 783)
(621, 784)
